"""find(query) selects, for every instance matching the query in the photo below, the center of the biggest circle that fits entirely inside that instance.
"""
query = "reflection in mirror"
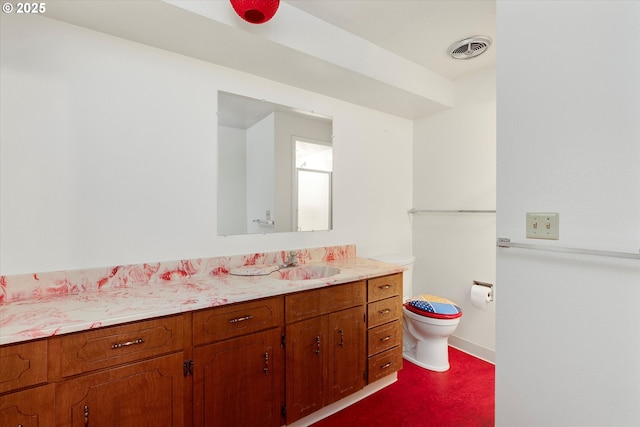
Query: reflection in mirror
(314, 163)
(274, 168)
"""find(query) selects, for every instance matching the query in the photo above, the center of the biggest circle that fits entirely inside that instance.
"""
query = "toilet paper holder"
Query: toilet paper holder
(485, 284)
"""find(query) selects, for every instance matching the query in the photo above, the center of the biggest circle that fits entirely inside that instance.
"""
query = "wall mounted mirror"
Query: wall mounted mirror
(274, 168)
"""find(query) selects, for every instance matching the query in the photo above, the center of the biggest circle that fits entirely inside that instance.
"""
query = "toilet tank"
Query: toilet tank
(407, 277)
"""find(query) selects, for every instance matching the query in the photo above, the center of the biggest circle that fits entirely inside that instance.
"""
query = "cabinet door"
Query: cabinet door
(28, 408)
(146, 393)
(239, 382)
(306, 358)
(346, 361)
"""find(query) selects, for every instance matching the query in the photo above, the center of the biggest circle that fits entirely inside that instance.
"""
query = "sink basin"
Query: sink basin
(307, 273)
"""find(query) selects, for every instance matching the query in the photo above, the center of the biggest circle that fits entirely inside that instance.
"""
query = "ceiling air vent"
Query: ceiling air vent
(470, 47)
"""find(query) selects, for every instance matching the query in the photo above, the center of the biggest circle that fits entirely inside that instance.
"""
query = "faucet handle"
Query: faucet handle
(292, 258)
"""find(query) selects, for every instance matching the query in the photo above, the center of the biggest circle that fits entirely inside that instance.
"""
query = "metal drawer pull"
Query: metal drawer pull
(385, 311)
(341, 343)
(387, 338)
(385, 366)
(86, 416)
(127, 344)
(318, 345)
(241, 319)
(383, 287)
(266, 363)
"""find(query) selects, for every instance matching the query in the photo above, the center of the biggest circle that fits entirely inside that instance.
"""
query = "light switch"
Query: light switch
(543, 225)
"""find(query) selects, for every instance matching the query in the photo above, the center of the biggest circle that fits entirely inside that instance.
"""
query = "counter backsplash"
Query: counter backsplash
(27, 286)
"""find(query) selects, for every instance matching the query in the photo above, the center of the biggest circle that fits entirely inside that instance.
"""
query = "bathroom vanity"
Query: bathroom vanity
(267, 360)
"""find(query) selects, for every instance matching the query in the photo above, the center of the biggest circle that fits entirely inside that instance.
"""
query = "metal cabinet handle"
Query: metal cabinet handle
(318, 345)
(266, 363)
(385, 311)
(127, 344)
(386, 365)
(86, 416)
(341, 343)
(384, 287)
(387, 338)
(241, 319)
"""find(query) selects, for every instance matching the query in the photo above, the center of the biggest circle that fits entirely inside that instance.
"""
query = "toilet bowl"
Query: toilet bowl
(427, 321)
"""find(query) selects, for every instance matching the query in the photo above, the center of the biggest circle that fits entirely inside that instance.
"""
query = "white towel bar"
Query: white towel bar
(507, 243)
(414, 210)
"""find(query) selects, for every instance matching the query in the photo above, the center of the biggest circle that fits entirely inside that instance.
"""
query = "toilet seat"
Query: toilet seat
(433, 307)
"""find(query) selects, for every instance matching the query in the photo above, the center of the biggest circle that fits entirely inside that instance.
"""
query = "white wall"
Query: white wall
(568, 331)
(454, 167)
(108, 155)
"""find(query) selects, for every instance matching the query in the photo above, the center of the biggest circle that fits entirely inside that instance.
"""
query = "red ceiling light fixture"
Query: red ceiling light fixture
(255, 11)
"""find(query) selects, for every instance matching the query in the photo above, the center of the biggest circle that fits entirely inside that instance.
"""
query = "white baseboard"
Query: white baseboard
(473, 349)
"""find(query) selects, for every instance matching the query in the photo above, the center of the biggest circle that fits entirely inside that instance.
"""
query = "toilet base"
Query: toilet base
(434, 357)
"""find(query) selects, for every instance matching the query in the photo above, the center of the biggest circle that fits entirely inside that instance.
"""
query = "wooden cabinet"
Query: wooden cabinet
(23, 365)
(148, 393)
(325, 347)
(25, 399)
(261, 363)
(129, 376)
(238, 379)
(384, 326)
(88, 351)
(32, 407)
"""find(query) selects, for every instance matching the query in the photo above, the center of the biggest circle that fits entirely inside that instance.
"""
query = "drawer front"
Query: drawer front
(307, 304)
(384, 337)
(225, 322)
(384, 311)
(384, 364)
(111, 346)
(384, 287)
(22, 365)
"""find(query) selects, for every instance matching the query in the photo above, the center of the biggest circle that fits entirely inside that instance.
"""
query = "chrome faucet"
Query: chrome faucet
(291, 261)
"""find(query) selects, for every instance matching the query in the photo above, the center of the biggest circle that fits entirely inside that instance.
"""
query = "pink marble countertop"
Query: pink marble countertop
(50, 315)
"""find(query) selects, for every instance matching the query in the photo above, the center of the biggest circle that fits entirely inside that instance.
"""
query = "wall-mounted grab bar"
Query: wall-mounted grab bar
(414, 210)
(507, 243)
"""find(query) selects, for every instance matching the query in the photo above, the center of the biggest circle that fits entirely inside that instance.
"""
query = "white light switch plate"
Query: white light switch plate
(543, 225)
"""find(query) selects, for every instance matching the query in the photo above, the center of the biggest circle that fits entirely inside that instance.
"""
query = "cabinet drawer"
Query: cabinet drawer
(384, 337)
(307, 304)
(384, 287)
(111, 346)
(384, 311)
(384, 364)
(22, 365)
(225, 322)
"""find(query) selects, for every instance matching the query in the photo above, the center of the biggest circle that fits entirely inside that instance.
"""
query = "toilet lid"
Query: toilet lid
(433, 306)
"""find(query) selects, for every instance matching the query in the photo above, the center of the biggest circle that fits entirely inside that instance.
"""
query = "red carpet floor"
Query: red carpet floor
(461, 397)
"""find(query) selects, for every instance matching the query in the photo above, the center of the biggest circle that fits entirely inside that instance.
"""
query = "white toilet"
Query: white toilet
(428, 321)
